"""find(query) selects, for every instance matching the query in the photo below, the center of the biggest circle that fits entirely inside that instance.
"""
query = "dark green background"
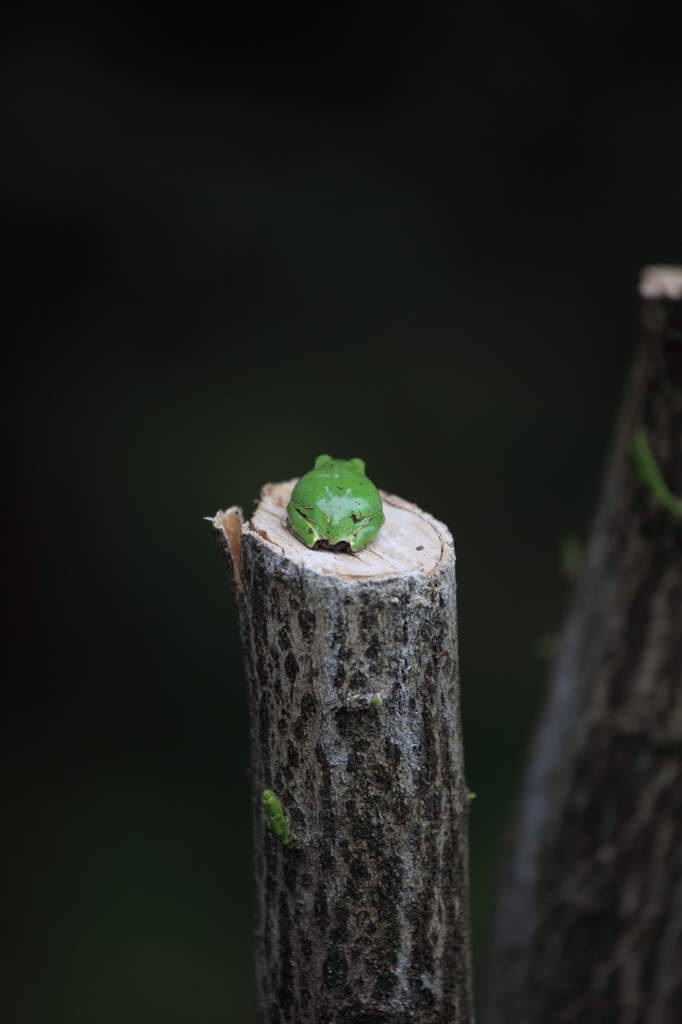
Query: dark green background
(409, 234)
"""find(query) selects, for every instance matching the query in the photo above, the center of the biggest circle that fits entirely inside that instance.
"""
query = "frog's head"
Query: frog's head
(324, 461)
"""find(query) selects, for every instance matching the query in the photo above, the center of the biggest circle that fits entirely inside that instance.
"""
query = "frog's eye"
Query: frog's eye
(322, 460)
(358, 465)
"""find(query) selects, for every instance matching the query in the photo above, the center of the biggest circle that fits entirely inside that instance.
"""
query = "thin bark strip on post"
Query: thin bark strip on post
(589, 927)
(355, 727)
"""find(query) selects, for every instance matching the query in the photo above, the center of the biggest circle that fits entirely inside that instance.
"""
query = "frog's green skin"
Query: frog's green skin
(276, 820)
(335, 506)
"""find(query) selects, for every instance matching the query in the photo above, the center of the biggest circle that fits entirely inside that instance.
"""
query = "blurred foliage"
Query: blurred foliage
(570, 555)
(231, 247)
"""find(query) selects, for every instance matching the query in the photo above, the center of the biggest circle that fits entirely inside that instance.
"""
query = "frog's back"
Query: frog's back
(342, 471)
(332, 475)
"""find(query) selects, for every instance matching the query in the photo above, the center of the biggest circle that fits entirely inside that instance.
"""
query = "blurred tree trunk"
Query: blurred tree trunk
(589, 923)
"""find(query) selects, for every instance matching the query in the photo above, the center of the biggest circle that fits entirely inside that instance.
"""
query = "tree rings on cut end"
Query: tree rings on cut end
(409, 541)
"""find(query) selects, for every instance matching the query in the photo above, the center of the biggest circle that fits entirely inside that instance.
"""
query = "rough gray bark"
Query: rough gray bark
(364, 917)
(589, 926)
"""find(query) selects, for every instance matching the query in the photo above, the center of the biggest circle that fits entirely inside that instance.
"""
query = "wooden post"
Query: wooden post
(589, 926)
(355, 726)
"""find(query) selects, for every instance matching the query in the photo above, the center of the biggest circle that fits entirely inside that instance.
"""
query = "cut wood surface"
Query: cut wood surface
(355, 726)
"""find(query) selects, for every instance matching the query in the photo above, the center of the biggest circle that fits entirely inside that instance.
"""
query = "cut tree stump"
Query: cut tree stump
(355, 726)
(589, 924)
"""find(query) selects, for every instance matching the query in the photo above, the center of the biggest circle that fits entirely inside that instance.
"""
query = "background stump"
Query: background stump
(589, 924)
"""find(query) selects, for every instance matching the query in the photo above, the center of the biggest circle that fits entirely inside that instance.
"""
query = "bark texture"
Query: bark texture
(355, 726)
(589, 927)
